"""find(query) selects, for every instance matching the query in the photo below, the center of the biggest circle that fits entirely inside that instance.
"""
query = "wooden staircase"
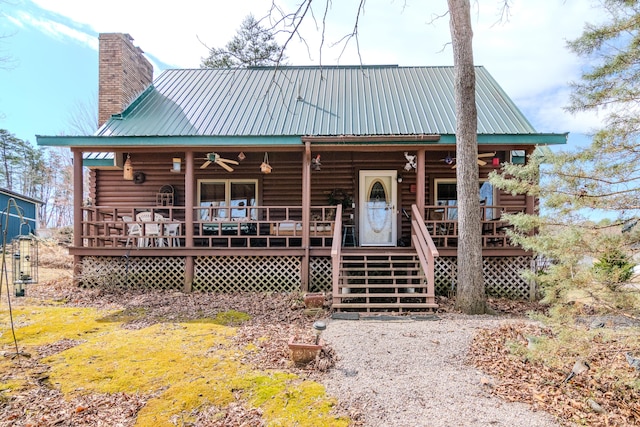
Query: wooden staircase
(381, 279)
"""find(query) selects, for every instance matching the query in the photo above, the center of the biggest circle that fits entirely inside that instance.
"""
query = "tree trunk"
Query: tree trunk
(470, 297)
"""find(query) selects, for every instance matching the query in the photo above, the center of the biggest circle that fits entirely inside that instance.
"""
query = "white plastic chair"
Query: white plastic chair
(171, 230)
(150, 228)
(132, 229)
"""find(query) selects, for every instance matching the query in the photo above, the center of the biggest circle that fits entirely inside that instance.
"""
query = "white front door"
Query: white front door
(378, 225)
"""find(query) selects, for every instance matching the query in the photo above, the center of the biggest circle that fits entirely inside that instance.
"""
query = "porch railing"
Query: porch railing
(425, 248)
(442, 224)
(213, 226)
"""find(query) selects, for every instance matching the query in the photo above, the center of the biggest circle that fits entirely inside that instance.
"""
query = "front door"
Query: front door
(378, 225)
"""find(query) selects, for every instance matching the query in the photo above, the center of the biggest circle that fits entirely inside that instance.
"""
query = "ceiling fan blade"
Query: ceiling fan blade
(487, 154)
(233, 162)
(225, 166)
(205, 164)
(481, 162)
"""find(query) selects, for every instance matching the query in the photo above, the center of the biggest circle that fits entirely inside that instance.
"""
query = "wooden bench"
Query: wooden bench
(292, 228)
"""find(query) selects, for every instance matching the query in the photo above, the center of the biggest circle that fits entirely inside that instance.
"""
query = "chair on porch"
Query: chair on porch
(133, 229)
(172, 230)
(150, 228)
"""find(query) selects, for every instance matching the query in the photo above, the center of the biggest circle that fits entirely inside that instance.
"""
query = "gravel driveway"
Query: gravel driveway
(413, 373)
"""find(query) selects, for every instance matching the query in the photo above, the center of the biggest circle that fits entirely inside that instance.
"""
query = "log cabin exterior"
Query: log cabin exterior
(338, 179)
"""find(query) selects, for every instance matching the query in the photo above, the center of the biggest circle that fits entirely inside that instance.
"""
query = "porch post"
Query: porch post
(189, 203)
(306, 213)
(77, 209)
(420, 181)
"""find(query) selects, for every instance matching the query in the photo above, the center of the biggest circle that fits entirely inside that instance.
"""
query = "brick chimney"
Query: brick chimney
(123, 73)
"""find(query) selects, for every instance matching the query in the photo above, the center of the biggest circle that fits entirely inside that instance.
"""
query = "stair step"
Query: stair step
(385, 267)
(383, 295)
(374, 273)
(361, 284)
(381, 305)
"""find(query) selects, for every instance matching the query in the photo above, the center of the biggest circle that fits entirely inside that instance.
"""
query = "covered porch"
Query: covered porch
(289, 230)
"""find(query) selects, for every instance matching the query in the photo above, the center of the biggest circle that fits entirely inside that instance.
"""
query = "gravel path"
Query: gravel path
(413, 373)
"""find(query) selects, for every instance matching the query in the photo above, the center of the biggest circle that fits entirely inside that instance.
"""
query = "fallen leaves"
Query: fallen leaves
(603, 396)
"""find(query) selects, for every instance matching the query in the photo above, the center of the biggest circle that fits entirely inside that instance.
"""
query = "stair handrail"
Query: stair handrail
(336, 249)
(425, 248)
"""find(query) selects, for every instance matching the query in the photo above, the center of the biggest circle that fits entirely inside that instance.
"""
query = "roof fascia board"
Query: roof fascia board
(514, 139)
(115, 142)
(166, 141)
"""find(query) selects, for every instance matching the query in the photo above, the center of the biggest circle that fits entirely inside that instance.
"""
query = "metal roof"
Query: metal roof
(311, 100)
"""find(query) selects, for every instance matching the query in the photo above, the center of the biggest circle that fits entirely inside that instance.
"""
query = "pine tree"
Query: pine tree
(253, 45)
(601, 180)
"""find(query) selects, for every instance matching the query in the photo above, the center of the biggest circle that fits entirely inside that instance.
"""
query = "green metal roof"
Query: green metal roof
(283, 102)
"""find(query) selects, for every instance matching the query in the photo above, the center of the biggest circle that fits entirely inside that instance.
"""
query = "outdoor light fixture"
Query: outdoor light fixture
(177, 164)
(128, 169)
(318, 327)
(399, 178)
(25, 262)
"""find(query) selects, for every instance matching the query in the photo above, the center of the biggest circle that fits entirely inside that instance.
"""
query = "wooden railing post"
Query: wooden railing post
(336, 248)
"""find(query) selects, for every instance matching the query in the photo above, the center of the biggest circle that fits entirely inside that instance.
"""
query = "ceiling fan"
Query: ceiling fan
(215, 158)
(452, 160)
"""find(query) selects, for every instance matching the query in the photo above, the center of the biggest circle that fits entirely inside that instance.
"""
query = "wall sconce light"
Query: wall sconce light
(399, 178)
(177, 164)
(128, 169)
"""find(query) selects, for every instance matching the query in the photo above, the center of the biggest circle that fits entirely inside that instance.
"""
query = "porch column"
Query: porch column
(420, 181)
(77, 209)
(306, 213)
(189, 203)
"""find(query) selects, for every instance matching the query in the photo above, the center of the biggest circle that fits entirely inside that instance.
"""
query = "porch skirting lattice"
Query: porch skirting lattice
(502, 276)
(259, 274)
(158, 273)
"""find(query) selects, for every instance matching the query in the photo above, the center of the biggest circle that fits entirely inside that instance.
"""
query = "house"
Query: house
(19, 214)
(332, 178)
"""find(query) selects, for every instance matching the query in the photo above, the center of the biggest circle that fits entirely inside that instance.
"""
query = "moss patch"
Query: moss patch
(185, 367)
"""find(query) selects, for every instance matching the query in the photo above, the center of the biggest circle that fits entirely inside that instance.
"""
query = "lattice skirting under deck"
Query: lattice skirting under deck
(320, 274)
(502, 276)
(259, 274)
(158, 273)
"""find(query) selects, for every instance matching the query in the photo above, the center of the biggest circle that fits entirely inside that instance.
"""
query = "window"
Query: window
(518, 157)
(228, 194)
(446, 194)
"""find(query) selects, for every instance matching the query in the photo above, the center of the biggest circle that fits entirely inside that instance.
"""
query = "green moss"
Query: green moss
(45, 325)
(184, 367)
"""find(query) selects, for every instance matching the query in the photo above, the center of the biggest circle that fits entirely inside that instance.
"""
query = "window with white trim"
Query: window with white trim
(230, 195)
(446, 194)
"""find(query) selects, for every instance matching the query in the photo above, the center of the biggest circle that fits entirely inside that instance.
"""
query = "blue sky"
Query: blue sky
(54, 67)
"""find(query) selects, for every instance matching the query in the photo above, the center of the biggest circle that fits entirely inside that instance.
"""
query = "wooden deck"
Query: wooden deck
(270, 249)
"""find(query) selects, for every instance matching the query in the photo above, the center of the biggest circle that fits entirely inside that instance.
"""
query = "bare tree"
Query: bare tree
(471, 298)
(83, 119)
